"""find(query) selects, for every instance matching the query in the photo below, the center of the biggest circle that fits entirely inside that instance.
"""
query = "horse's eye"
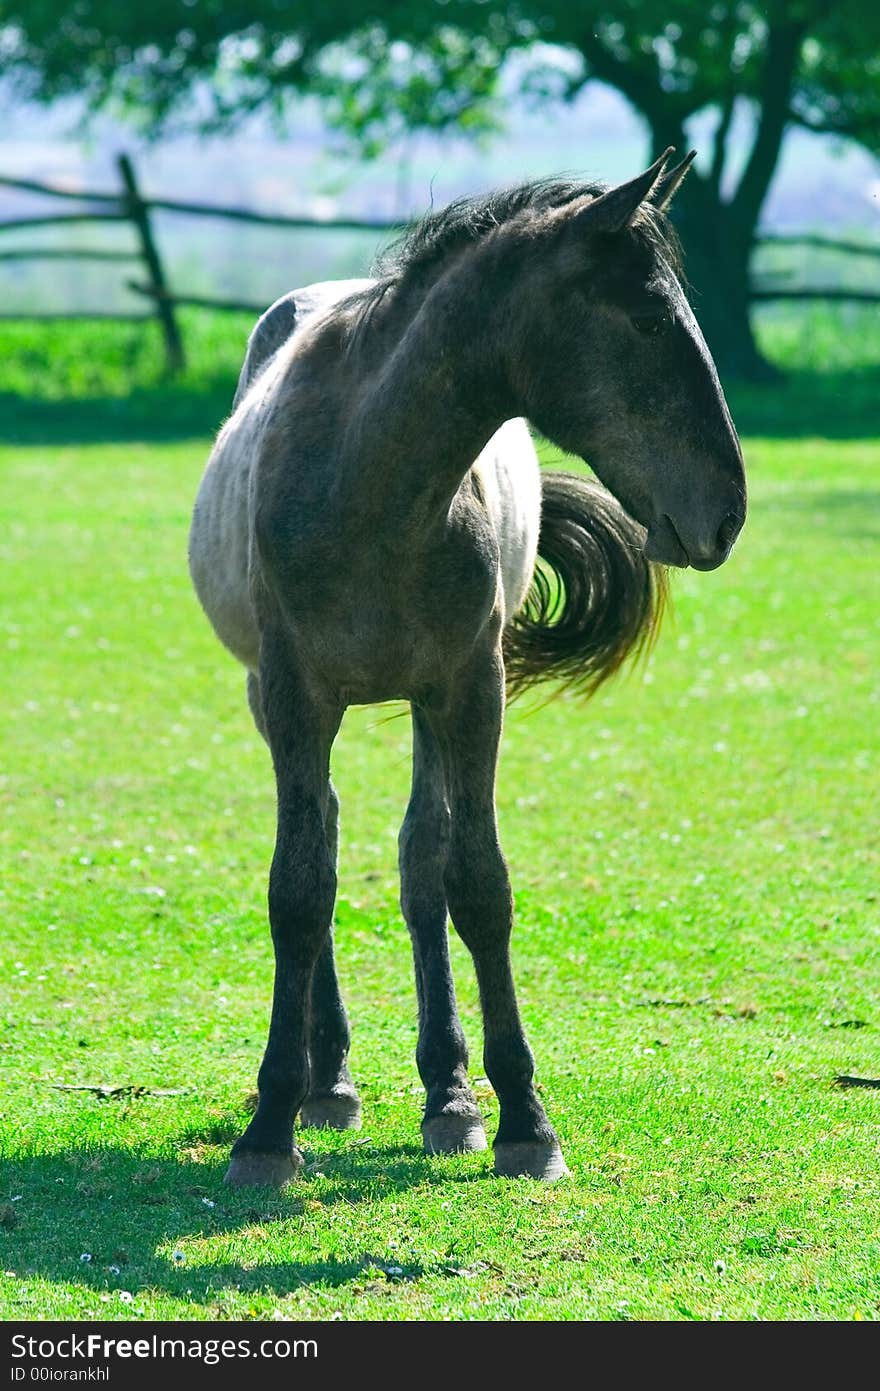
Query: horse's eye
(652, 325)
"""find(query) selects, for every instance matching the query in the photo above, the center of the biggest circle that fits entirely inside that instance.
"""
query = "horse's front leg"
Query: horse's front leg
(452, 1121)
(302, 888)
(481, 905)
(332, 1100)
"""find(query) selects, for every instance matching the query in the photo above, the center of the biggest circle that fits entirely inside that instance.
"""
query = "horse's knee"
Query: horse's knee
(424, 833)
(302, 892)
(478, 893)
(422, 848)
(302, 900)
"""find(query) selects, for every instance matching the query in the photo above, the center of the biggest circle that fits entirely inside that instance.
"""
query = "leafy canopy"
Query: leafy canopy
(433, 64)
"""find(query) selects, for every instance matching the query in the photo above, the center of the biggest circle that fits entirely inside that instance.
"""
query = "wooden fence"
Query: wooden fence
(130, 206)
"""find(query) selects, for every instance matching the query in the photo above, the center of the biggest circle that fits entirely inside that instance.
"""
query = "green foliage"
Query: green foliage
(422, 66)
(695, 864)
(84, 381)
(105, 380)
(148, 61)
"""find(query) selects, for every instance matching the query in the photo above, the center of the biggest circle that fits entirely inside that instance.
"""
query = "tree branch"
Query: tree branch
(852, 127)
(780, 64)
(662, 110)
(719, 143)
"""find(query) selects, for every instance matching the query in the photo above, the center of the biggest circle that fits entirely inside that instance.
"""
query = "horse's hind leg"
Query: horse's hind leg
(481, 906)
(302, 889)
(332, 1100)
(452, 1120)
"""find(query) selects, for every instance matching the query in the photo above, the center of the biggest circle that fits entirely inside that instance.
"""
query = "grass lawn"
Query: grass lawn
(695, 859)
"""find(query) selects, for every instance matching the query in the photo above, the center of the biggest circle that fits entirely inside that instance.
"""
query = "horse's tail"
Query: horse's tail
(594, 598)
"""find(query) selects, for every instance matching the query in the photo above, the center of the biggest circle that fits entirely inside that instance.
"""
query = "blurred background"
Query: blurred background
(251, 132)
(695, 856)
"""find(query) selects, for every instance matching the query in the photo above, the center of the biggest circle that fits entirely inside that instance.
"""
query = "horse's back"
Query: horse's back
(283, 318)
(219, 540)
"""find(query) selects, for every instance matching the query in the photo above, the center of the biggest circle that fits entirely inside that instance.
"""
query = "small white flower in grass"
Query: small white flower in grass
(85, 1257)
(113, 1269)
(126, 1296)
(209, 1202)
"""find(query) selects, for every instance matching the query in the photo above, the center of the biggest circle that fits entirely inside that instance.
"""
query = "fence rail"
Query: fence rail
(129, 205)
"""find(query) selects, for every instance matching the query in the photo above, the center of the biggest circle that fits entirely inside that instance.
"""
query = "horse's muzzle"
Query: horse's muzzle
(666, 544)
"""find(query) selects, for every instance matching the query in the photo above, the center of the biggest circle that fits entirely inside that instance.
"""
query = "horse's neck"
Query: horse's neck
(432, 405)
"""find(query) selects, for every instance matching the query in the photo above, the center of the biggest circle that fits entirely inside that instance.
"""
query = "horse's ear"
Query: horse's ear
(671, 181)
(614, 210)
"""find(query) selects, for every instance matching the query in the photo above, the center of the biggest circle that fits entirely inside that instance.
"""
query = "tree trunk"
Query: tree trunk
(717, 272)
(719, 236)
(716, 265)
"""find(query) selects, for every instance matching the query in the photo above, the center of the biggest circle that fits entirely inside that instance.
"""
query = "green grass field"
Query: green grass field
(695, 859)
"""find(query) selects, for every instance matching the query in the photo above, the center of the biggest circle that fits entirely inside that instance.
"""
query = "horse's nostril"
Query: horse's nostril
(728, 530)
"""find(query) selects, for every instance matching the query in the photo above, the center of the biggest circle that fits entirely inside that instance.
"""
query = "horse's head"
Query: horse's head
(617, 370)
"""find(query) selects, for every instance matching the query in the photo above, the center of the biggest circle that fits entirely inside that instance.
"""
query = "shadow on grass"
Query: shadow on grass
(164, 412)
(829, 405)
(110, 1222)
(833, 405)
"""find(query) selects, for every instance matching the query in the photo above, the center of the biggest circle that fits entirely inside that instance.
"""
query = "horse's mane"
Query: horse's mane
(425, 245)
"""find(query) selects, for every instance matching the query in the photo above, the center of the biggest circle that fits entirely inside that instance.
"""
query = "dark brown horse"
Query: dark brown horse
(368, 529)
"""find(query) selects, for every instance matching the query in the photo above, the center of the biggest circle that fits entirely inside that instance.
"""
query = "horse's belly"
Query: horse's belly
(219, 548)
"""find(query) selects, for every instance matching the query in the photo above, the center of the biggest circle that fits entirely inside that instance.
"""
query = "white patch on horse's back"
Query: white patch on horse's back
(220, 534)
(323, 294)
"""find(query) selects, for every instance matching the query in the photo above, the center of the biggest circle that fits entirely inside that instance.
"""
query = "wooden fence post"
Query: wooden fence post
(139, 213)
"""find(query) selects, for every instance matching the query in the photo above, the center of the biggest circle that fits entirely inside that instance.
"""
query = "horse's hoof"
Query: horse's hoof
(253, 1169)
(453, 1133)
(339, 1110)
(530, 1159)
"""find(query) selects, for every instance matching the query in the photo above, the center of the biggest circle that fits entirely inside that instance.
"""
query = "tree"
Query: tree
(433, 64)
(813, 63)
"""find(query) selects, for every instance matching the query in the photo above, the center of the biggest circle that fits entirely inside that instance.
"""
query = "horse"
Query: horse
(372, 525)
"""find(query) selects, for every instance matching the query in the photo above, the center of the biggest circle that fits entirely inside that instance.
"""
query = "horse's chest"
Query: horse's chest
(389, 624)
